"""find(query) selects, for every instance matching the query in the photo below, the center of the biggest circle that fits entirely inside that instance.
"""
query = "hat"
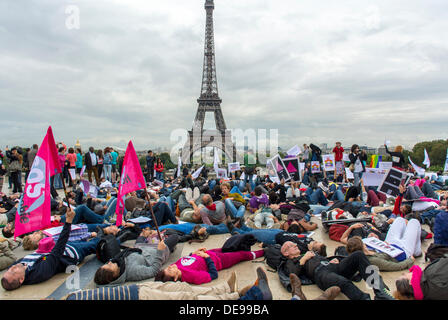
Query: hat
(45, 245)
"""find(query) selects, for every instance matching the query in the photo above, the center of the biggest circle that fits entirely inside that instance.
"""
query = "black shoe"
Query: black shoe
(383, 293)
(230, 225)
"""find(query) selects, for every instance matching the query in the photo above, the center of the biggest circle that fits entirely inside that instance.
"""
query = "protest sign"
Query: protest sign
(233, 167)
(72, 173)
(392, 180)
(373, 177)
(345, 157)
(280, 168)
(349, 174)
(382, 246)
(385, 165)
(329, 162)
(293, 167)
(315, 167)
(294, 151)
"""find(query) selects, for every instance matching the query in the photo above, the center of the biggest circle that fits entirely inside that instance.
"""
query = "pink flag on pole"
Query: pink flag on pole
(131, 180)
(35, 205)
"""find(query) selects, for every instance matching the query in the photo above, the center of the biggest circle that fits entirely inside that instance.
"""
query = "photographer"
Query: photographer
(356, 163)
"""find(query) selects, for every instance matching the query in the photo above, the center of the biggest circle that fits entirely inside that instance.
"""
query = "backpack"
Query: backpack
(435, 251)
(434, 281)
(107, 248)
(336, 231)
(273, 256)
(239, 242)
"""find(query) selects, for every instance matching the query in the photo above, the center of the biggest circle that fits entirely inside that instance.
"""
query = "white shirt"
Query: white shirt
(93, 157)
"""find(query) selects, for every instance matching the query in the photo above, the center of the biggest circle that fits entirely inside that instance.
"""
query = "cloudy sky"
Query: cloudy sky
(318, 71)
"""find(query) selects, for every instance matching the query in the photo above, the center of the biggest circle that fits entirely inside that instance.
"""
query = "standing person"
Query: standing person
(58, 177)
(338, 151)
(26, 164)
(2, 169)
(107, 165)
(159, 169)
(78, 162)
(91, 161)
(15, 168)
(72, 158)
(356, 164)
(306, 152)
(150, 166)
(397, 157)
(31, 156)
(114, 155)
(100, 158)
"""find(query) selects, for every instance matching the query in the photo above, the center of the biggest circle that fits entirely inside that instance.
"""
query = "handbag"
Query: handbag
(15, 166)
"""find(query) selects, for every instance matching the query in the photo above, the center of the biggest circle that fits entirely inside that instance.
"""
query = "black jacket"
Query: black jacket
(49, 265)
(400, 163)
(88, 161)
(353, 157)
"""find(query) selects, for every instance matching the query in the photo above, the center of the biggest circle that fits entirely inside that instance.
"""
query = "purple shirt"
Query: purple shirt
(255, 201)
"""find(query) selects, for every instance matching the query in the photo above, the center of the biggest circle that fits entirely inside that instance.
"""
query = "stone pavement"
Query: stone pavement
(246, 271)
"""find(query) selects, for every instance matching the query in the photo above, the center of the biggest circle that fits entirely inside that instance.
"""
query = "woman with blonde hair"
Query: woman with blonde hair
(397, 157)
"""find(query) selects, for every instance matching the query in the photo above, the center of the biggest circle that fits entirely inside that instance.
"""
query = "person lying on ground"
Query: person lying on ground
(156, 290)
(49, 260)
(202, 266)
(380, 259)
(135, 264)
(327, 273)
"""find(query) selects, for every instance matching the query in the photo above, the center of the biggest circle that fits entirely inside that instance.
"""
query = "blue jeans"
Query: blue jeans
(212, 184)
(358, 176)
(254, 293)
(58, 181)
(91, 227)
(186, 228)
(170, 202)
(234, 212)
(107, 172)
(84, 214)
(84, 248)
(266, 236)
(338, 196)
(159, 176)
(428, 215)
(162, 213)
(315, 197)
(317, 209)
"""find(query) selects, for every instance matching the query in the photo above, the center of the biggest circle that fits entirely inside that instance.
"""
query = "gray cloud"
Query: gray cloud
(319, 71)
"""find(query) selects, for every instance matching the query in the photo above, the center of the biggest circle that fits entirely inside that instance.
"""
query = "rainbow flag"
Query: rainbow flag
(375, 161)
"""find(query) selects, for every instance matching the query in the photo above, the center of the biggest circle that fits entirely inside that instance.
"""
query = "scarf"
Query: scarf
(211, 207)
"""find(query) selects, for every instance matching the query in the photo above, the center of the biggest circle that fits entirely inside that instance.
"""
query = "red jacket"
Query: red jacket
(158, 168)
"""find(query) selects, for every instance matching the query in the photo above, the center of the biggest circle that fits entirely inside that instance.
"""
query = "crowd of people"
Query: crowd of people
(373, 230)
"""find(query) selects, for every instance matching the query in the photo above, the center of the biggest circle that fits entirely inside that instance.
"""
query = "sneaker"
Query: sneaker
(196, 193)
(189, 194)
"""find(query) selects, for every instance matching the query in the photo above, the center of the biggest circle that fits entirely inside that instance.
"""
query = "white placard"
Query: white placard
(57, 230)
(233, 167)
(345, 157)
(329, 162)
(385, 165)
(373, 177)
(349, 174)
(72, 173)
(221, 174)
(82, 171)
(382, 246)
(294, 151)
(141, 219)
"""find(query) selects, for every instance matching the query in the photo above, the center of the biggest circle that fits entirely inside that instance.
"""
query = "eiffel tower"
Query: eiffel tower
(209, 101)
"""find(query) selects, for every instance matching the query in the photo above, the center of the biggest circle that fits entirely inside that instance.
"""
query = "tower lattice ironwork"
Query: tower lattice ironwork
(209, 101)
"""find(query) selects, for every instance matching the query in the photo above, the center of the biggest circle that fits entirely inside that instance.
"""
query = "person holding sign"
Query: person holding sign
(382, 260)
(397, 157)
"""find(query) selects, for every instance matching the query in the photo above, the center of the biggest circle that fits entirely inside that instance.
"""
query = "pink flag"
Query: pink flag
(35, 205)
(131, 179)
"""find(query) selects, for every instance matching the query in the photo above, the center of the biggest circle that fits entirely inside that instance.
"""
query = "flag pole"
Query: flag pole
(65, 191)
(152, 213)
